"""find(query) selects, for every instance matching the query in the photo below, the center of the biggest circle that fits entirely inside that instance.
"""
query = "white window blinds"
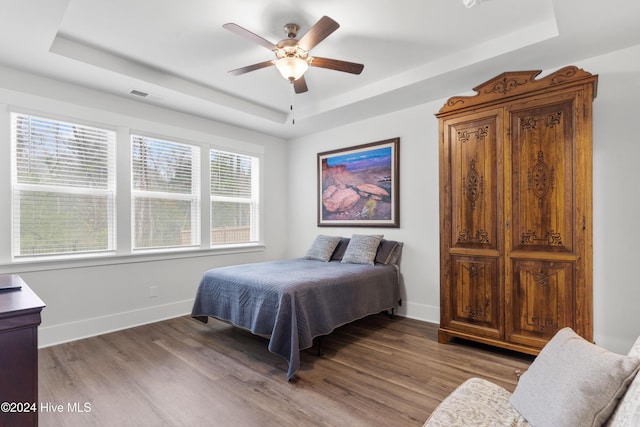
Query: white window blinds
(63, 187)
(166, 193)
(234, 198)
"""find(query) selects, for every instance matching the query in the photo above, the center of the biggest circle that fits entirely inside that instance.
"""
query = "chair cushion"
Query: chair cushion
(476, 402)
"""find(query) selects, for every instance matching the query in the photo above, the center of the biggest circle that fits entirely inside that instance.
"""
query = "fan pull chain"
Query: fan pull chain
(293, 113)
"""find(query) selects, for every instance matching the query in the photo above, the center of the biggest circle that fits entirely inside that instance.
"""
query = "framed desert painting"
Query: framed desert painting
(358, 186)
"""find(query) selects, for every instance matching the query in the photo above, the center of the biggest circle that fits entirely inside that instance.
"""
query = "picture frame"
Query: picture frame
(359, 186)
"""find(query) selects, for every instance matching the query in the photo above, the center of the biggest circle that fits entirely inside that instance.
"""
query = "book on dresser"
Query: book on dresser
(10, 282)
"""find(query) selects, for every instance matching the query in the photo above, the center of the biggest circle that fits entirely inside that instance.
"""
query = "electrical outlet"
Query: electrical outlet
(153, 291)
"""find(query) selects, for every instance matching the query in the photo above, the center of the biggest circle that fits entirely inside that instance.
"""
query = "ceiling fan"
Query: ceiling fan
(292, 55)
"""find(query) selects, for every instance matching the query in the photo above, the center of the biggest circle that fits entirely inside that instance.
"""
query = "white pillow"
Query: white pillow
(573, 382)
(362, 249)
(627, 413)
(322, 247)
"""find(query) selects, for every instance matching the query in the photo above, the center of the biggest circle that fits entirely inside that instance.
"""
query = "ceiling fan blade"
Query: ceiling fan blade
(253, 67)
(336, 64)
(300, 85)
(235, 28)
(318, 32)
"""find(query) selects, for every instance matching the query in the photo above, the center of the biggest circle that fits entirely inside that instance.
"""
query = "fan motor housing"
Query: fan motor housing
(289, 47)
(291, 30)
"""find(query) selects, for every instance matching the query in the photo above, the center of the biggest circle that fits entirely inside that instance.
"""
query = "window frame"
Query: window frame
(16, 187)
(123, 252)
(195, 197)
(254, 202)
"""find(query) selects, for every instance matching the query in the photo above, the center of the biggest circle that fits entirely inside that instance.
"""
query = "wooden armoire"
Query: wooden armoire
(516, 210)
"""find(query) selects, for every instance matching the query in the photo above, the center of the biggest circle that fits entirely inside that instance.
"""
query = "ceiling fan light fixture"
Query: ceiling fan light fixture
(471, 3)
(292, 55)
(292, 67)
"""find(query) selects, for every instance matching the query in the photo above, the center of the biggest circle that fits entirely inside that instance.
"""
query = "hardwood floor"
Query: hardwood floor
(180, 372)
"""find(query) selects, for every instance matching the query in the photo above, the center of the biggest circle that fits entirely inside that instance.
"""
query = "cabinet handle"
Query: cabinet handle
(518, 374)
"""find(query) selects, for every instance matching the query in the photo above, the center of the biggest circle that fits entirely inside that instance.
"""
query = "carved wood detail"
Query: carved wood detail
(473, 184)
(541, 179)
(475, 281)
(481, 236)
(474, 272)
(548, 238)
(480, 134)
(508, 84)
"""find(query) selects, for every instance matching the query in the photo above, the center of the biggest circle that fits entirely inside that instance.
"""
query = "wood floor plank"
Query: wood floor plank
(180, 372)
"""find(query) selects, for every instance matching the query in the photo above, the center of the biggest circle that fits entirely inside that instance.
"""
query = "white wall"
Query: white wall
(88, 300)
(419, 198)
(84, 300)
(616, 151)
(616, 205)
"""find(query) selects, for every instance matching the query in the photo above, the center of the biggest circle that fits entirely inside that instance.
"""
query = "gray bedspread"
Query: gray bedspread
(292, 301)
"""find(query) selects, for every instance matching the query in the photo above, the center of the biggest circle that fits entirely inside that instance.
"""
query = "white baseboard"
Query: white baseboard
(426, 313)
(58, 334)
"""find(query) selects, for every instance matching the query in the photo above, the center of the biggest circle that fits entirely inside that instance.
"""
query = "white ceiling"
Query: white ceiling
(414, 51)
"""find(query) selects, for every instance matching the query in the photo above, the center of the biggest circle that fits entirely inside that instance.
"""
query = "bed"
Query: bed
(293, 301)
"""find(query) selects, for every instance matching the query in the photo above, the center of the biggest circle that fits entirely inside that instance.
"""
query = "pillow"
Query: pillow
(322, 247)
(635, 349)
(361, 249)
(572, 383)
(387, 252)
(339, 252)
(627, 413)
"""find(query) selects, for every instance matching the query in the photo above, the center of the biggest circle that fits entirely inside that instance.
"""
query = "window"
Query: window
(165, 193)
(63, 187)
(234, 198)
(64, 178)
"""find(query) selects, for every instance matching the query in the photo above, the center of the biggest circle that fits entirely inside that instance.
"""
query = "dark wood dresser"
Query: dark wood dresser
(19, 319)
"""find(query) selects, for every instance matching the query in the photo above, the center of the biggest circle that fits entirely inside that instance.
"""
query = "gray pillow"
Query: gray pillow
(322, 248)
(572, 382)
(339, 252)
(362, 249)
(388, 252)
(627, 413)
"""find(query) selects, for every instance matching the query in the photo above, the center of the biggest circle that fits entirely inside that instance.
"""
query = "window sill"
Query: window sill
(23, 266)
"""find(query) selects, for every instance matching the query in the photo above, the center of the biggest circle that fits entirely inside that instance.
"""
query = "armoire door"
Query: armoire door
(473, 265)
(546, 233)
